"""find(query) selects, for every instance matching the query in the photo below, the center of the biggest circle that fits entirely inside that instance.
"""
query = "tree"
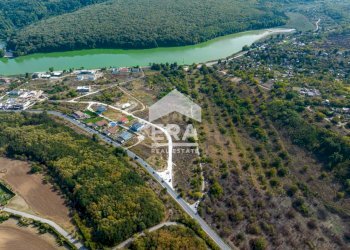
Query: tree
(258, 244)
(245, 48)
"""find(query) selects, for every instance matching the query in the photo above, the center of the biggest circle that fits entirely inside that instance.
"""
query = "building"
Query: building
(135, 70)
(124, 137)
(56, 73)
(83, 89)
(112, 130)
(101, 123)
(309, 92)
(100, 109)
(15, 92)
(121, 71)
(136, 127)
(80, 115)
(126, 105)
(123, 120)
(19, 106)
(89, 75)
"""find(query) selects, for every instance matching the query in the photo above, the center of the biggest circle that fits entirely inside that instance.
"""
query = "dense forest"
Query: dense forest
(172, 237)
(145, 24)
(112, 201)
(16, 14)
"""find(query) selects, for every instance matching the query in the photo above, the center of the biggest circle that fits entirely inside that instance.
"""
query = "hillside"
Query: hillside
(16, 14)
(144, 24)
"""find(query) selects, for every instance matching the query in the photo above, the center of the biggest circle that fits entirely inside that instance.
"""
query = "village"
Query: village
(121, 130)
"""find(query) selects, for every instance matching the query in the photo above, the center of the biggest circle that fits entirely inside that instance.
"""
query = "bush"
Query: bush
(292, 190)
(300, 206)
(258, 244)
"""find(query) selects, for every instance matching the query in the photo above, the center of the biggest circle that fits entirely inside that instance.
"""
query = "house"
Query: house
(101, 123)
(89, 75)
(83, 89)
(136, 127)
(135, 70)
(91, 125)
(100, 109)
(20, 106)
(5, 80)
(126, 105)
(121, 71)
(124, 137)
(57, 73)
(80, 115)
(112, 130)
(8, 54)
(123, 120)
(15, 92)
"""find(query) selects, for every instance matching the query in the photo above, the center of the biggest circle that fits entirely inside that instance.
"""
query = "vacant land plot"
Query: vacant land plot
(25, 238)
(41, 198)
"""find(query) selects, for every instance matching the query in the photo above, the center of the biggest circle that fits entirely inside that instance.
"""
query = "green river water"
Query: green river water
(96, 58)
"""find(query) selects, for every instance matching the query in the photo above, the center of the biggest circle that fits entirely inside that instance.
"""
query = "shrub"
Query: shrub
(258, 244)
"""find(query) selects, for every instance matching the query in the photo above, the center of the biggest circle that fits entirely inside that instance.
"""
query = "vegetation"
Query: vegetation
(112, 200)
(16, 14)
(5, 194)
(147, 24)
(171, 237)
(262, 143)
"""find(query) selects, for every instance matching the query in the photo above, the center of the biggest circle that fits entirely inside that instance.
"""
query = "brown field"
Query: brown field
(25, 238)
(33, 195)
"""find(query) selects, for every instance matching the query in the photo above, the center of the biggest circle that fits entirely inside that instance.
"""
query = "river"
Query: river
(221, 47)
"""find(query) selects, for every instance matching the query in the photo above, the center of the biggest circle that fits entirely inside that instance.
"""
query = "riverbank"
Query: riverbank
(215, 49)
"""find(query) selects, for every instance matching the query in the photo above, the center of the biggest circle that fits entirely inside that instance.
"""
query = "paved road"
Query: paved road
(60, 230)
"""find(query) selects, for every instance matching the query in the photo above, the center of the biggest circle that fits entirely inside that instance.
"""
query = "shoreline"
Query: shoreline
(142, 57)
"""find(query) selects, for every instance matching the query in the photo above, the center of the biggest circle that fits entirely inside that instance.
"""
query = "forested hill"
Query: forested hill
(16, 14)
(144, 24)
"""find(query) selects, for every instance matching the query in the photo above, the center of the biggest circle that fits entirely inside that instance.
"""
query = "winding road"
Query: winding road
(59, 229)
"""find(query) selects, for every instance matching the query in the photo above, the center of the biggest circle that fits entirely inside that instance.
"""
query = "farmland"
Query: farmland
(37, 197)
(16, 237)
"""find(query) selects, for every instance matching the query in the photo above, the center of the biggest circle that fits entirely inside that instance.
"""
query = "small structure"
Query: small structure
(126, 105)
(101, 123)
(135, 70)
(124, 137)
(112, 130)
(100, 109)
(309, 92)
(15, 92)
(123, 120)
(136, 127)
(121, 71)
(80, 115)
(83, 89)
(89, 75)
(56, 73)
(8, 54)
